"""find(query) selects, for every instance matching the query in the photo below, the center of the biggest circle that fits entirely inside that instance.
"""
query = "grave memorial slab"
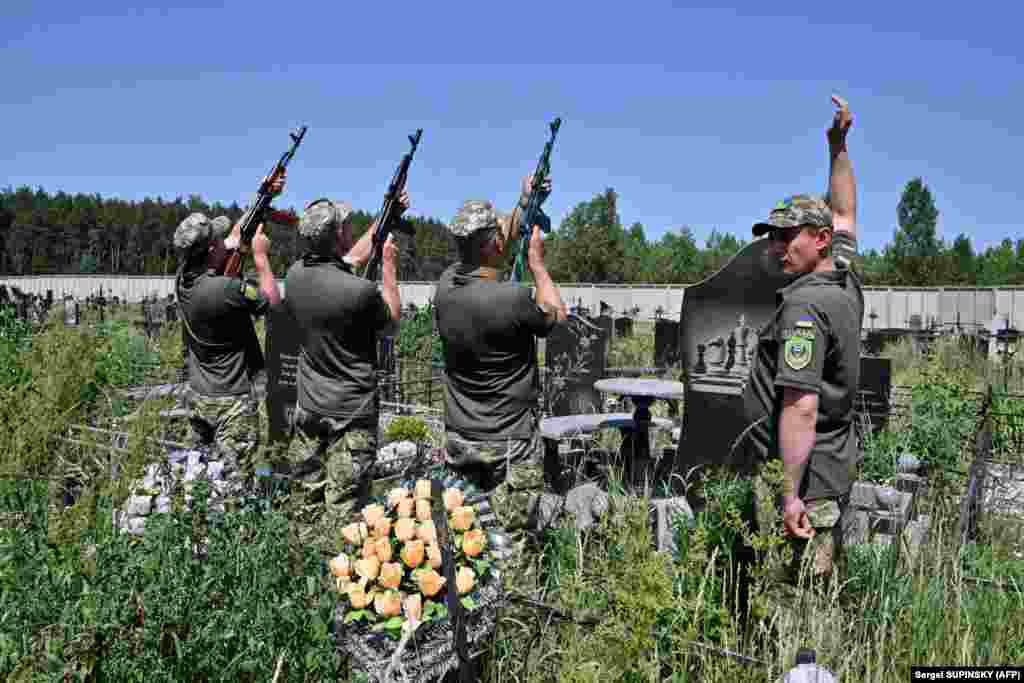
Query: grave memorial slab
(623, 327)
(574, 355)
(283, 343)
(720, 321)
(875, 384)
(666, 343)
(607, 325)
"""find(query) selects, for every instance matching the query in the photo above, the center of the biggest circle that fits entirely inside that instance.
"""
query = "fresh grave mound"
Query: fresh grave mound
(391, 578)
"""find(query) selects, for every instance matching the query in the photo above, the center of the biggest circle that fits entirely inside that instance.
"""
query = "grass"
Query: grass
(79, 602)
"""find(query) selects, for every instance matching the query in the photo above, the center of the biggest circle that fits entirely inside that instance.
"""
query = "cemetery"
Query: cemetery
(126, 548)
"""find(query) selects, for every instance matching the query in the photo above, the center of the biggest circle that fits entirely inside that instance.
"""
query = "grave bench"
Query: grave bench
(556, 429)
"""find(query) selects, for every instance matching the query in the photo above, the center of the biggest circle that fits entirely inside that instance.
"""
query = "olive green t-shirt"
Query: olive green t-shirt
(489, 330)
(339, 316)
(223, 350)
(812, 343)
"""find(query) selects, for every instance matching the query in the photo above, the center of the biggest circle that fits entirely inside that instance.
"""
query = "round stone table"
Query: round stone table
(642, 392)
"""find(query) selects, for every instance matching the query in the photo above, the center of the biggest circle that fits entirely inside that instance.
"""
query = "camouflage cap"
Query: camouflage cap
(320, 216)
(194, 231)
(221, 226)
(800, 209)
(475, 214)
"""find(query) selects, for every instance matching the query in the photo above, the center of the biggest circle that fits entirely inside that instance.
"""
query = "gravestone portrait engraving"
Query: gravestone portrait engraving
(720, 323)
(574, 358)
(283, 343)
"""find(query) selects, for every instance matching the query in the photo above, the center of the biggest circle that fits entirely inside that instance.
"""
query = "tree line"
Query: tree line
(42, 233)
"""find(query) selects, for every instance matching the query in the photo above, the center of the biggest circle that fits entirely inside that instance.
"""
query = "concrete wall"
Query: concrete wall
(891, 306)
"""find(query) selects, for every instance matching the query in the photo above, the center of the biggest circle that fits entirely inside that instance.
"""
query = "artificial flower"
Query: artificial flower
(405, 529)
(423, 489)
(368, 567)
(430, 582)
(465, 580)
(340, 565)
(426, 532)
(405, 507)
(382, 549)
(434, 555)
(412, 554)
(422, 509)
(413, 607)
(453, 498)
(462, 518)
(388, 603)
(473, 542)
(371, 513)
(391, 574)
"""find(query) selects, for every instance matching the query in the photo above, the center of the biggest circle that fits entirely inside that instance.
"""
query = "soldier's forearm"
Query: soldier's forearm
(842, 189)
(268, 284)
(796, 440)
(359, 254)
(547, 292)
(389, 291)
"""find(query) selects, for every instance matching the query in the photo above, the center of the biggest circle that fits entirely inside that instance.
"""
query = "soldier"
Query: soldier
(489, 330)
(223, 350)
(805, 373)
(340, 315)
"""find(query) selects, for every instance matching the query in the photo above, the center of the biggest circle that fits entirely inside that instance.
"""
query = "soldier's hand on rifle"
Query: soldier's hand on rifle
(841, 123)
(527, 187)
(277, 182)
(403, 202)
(233, 239)
(260, 243)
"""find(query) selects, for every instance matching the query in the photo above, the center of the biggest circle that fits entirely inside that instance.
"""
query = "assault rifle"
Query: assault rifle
(387, 219)
(532, 215)
(257, 212)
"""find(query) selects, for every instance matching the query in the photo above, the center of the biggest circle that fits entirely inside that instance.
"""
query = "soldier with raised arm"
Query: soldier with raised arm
(492, 383)
(806, 368)
(339, 316)
(224, 356)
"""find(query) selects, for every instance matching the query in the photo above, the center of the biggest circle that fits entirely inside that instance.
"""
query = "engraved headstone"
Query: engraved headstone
(666, 343)
(623, 327)
(607, 325)
(875, 384)
(283, 342)
(574, 356)
(720, 322)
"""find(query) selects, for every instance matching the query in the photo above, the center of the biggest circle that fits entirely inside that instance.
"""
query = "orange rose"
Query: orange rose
(368, 568)
(382, 548)
(426, 532)
(405, 507)
(412, 554)
(423, 489)
(452, 498)
(382, 528)
(430, 582)
(369, 549)
(340, 565)
(462, 518)
(465, 580)
(413, 607)
(397, 495)
(388, 603)
(351, 533)
(434, 555)
(358, 596)
(473, 542)
(391, 574)
(371, 513)
(422, 509)
(405, 529)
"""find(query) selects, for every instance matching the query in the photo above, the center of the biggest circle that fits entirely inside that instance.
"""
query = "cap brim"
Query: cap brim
(762, 228)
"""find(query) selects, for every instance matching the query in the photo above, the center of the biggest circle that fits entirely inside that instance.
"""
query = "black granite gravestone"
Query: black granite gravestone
(666, 343)
(873, 397)
(574, 357)
(283, 343)
(49, 299)
(718, 332)
(623, 327)
(607, 325)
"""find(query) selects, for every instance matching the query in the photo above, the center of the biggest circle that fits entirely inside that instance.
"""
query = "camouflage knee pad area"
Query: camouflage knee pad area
(510, 469)
(230, 424)
(329, 460)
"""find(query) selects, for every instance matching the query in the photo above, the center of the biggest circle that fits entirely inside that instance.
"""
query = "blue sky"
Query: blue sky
(699, 116)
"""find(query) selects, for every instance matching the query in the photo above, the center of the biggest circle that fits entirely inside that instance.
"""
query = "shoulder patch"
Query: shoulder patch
(798, 351)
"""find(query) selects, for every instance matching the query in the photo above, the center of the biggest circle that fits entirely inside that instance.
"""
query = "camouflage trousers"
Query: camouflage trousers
(329, 462)
(823, 553)
(228, 425)
(511, 470)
